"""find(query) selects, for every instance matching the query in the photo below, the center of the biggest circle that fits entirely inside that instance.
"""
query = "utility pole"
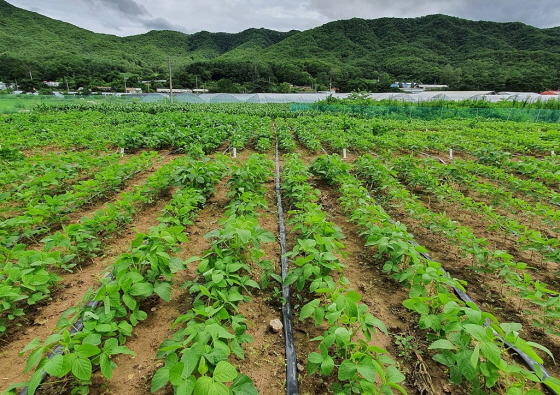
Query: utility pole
(170, 81)
(65, 80)
(125, 78)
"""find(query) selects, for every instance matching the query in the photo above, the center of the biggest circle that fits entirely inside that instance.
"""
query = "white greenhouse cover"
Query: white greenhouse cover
(315, 97)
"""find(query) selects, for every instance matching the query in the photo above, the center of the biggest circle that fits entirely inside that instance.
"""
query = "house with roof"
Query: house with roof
(133, 90)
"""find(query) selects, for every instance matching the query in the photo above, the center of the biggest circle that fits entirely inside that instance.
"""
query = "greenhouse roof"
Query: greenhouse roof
(188, 98)
(315, 97)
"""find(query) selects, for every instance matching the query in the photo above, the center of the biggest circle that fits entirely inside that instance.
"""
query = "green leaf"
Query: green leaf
(442, 344)
(163, 290)
(327, 366)
(33, 359)
(491, 352)
(308, 309)
(110, 345)
(353, 296)
(105, 364)
(186, 387)
(243, 385)
(315, 358)
(82, 368)
(206, 386)
(33, 344)
(142, 289)
(87, 350)
(224, 372)
(475, 355)
(34, 382)
(55, 366)
(175, 373)
(367, 370)
(202, 367)
(540, 347)
(553, 383)
(160, 379)
(190, 360)
(346, 370)
(476, 331)
(416, 305)
(393, 375)
(129, 301)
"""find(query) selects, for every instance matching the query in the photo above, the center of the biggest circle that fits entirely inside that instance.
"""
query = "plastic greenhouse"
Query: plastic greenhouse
(188, 98)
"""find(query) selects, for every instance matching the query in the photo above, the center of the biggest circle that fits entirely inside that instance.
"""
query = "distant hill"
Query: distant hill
(353, 54)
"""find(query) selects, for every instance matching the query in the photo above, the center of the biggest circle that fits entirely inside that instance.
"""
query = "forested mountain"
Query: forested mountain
(353, 54)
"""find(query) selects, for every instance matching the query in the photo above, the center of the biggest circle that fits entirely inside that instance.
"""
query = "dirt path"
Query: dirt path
(73, 287)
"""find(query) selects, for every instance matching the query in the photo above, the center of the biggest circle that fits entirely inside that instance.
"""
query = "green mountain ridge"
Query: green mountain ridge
(354, 54)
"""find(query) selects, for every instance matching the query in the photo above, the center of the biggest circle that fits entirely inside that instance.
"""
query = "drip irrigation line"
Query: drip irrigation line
(434, 157)
(291, 356)
(172, 152)
(76, 327)
(530, 362)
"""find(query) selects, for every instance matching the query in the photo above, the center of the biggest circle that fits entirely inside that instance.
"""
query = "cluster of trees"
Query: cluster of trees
(350, 55)
(250, 76)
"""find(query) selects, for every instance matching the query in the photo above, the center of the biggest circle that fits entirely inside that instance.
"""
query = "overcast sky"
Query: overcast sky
(129, 17)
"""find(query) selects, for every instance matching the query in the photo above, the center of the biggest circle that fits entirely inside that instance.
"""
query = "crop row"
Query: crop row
(197, 358)
(41, 216)
(345, 348)
(467, 340)
(145, 271)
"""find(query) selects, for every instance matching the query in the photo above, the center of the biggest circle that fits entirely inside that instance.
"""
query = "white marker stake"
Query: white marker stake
(234, 152)
(344, 153)
(552, 153)
(450, 153)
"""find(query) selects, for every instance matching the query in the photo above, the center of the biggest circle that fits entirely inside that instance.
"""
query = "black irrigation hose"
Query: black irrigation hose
(530, 362)
(77, 327)
(434, 157)
(291, 356)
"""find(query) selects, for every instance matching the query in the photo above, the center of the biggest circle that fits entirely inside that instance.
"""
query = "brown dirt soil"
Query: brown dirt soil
(498, 239)
(530, 219)
(30, 311)
(134, 373)
(264, 361)
(42, 321)
(128, 186)
(384, 296)
(265, 356)
(487, 290)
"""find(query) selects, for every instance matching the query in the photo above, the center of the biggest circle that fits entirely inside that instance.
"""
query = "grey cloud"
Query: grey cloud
(126, 17)
(543, 13)
(378, 8)
(127, 8)
(161, 24)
